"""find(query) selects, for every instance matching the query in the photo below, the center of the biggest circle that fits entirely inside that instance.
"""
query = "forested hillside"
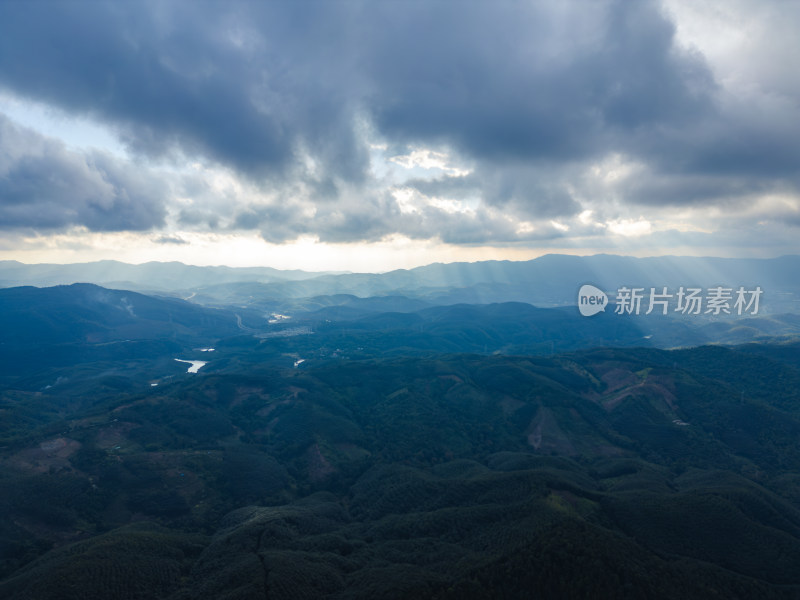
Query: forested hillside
(635, 473)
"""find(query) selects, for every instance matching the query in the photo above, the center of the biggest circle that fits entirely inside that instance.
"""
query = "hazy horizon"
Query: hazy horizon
(380, 271)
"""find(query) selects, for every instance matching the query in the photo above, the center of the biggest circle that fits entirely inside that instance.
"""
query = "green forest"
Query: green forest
(626, 473)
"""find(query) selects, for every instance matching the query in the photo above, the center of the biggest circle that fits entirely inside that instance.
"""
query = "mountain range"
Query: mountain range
(550, 280)
(354, 436)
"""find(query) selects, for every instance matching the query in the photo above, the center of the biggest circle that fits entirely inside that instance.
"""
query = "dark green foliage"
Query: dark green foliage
(633, 473)
(251, 476)
(166, 503)
(574, 559)
(136, 562)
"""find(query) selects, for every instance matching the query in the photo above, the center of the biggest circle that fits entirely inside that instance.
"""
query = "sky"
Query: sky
(368, 136)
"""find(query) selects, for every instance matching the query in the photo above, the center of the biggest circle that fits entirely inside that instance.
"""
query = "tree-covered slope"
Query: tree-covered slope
(634, 473)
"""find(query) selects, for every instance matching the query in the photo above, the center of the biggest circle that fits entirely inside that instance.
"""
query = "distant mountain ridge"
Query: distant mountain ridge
(550, 280)
(150, 276)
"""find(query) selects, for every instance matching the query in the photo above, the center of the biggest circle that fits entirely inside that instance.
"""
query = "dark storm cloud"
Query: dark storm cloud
(43, 185)
(203, 78)
(524, 192)
(654, 189)
(373, 217)
(171, 240)
(287, 93)
(527, 192)
(368, 217)
(510, 81)
(247, 84)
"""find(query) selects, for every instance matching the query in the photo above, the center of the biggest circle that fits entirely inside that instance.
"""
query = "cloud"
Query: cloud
(168, 239)
(235, 84)
(507, 81)
(45, 186)
(252, 84)
(524, 113)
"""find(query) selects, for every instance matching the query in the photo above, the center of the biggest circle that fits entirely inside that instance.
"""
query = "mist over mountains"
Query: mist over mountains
(551, 280)
(156, 276)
